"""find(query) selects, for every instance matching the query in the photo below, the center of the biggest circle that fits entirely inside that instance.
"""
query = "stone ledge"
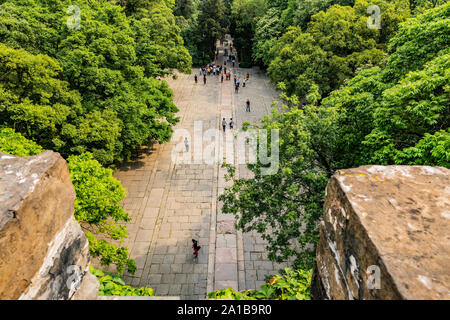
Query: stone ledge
(395, 218)
(42, 248)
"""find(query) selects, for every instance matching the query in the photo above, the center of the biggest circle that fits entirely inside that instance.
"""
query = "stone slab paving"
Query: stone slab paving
(170, 202)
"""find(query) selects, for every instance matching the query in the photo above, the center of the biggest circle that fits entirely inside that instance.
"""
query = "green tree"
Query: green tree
(290, 285)
(183, 8)
(98, 211)
(336, 43)
(14, 143)
(211, 26)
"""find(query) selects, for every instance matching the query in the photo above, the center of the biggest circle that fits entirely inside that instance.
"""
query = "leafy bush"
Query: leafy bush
(113, 285)
(291, 285)
(110, 254)
(14, 143)
(97, 203)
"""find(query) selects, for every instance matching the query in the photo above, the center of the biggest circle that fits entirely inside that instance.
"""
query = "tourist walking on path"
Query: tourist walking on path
(204, 79)
(231, 123)
(236, 88)
(235, 79)
(200, 71)
(195, 78)
(221, 78)
(243, 83)
(248, 106)
(196, 247)
(224, 124)
(186, 144)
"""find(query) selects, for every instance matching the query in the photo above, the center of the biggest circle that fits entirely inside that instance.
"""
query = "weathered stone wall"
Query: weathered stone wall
(42, 247)
(391, 221)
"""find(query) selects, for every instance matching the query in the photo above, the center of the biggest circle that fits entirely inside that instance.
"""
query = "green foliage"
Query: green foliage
(159, 46)
(299, 12)
(397, 113)
(97, 203)
(32, 98)
(201, 28)
(288, 204)
(93, 88)
(335, 44)
(400, 114)
(245, 15)
(98, 192)
(211, 23)
(110, 254)
(417, 42)
(113, 285)
(268, 28)
(184, 8)
(15, 144)
(97, 199)
(290, 285)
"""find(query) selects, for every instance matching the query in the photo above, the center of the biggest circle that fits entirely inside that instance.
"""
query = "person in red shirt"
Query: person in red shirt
(196, 247)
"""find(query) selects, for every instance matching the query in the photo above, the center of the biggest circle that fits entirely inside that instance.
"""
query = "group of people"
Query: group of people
(224, 124)
(237, 82)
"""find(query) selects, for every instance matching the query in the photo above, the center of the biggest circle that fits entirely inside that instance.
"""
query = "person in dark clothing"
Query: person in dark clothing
(221, 78)
(204, 79)
(224, 124)
(196, 247)
(248, 106)
(195, 78)
(236, 88)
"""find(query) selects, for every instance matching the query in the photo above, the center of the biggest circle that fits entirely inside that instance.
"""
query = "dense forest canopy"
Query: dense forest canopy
(82, 78)
(92, 88)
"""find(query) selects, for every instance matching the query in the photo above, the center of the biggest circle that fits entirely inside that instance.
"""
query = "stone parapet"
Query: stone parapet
(43, 252)
(385, 235)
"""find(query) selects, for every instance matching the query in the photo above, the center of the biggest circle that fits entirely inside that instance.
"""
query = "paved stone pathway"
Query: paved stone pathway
(170, 202)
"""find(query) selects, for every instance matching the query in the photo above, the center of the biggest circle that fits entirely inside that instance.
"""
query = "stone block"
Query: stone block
(40, 240)
(391, 221)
